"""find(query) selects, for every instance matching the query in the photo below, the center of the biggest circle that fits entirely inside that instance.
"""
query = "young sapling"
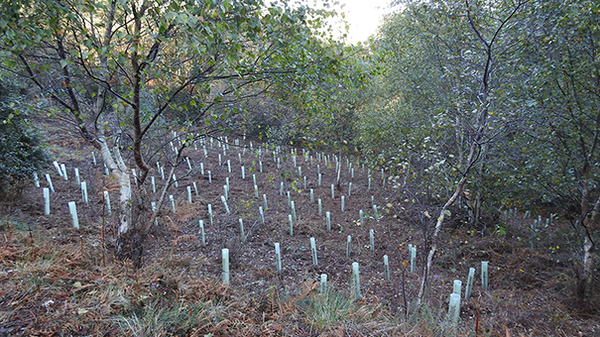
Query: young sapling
(202, 233)
(470, 279)
(323, 285)
(172, 201)
(454, 308)
(84, 192)
(348, 245)
(484, 275)
(457, 287)
(46, 193)
(386, 268)
(49, 180)
(278, 257)
(225, 258)
(107, 203)
(225, 204)
(73, 211)
(356, 280)
(313, 248)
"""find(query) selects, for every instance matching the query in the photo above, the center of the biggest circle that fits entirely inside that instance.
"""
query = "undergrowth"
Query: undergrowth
(53, 283)
(334, 307)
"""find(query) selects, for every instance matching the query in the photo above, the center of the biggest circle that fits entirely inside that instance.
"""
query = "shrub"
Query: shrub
(22, 149)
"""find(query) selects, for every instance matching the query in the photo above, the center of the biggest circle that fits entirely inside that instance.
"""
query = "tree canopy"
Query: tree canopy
(517, 80)
(478, 105)
(122, 72)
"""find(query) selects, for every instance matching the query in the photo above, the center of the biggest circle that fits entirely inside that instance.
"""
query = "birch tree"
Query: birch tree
(112, 69)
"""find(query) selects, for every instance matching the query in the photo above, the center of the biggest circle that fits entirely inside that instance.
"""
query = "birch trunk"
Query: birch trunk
(118, 169)
(479, 127)
(589, 225)
(113, 160)
(440, 220)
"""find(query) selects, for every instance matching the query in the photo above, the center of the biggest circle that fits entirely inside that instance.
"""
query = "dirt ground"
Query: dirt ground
(531, 277)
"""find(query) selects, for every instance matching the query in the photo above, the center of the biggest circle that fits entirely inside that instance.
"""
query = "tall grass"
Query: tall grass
(335, 307)
(158, 319)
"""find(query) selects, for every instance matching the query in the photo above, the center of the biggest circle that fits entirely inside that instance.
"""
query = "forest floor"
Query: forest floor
(60, 281)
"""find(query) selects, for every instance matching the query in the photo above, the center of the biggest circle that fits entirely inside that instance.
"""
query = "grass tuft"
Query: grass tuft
(335, 308)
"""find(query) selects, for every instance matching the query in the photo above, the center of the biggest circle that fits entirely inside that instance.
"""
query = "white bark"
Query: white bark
(589, 248)
(118, 169)
(124, 201)
(113, 160)
(588, 262)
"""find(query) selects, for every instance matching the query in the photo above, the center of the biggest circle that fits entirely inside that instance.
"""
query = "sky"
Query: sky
(364, 17)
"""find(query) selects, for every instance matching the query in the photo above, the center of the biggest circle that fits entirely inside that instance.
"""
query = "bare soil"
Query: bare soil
(531, 283)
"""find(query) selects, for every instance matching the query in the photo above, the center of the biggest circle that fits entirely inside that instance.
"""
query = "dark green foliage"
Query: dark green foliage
(22, 149)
